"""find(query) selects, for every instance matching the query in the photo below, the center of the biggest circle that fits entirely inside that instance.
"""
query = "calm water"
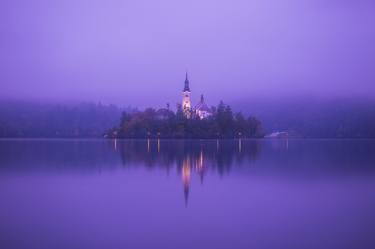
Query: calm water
(187, 194)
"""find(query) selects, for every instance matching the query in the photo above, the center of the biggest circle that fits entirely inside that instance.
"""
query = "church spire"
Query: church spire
(186, 102)
(186, 87)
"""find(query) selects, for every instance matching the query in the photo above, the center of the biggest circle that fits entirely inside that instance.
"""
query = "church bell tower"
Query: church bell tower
(186, 102)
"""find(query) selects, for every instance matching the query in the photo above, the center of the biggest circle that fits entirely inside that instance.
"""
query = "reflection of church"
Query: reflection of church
(189, 165)
(201, 110)
(190, 158)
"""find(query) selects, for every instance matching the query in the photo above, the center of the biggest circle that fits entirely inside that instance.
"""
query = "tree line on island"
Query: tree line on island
(164, 123)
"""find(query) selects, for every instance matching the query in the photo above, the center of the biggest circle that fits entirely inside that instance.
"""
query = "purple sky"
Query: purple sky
(136, 52)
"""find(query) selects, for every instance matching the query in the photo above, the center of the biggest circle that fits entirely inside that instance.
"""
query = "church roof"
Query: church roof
(202, 106)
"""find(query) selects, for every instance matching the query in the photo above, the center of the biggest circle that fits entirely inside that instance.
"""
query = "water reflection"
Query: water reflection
(216, 154)
(187, 157)
(295, 158)
(288, 193)
(192, 159)
(186, 178)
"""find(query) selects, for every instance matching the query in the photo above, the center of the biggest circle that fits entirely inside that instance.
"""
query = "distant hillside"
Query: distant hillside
(313, 117)
(30, 119)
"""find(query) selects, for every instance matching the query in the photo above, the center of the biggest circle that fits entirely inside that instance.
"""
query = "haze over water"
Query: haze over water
(187, 194)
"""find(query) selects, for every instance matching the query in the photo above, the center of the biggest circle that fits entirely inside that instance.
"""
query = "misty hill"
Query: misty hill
(315, 117)
(30, 119)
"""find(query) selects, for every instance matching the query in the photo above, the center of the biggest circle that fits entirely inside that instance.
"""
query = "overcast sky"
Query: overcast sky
(136, 52)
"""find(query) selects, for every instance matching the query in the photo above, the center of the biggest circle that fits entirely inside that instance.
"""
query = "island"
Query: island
(199, 122)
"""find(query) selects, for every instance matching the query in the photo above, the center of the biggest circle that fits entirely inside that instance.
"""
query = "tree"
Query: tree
(166, 124)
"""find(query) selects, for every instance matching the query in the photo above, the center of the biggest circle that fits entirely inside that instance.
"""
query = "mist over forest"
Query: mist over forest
(52, 120)
(312, 117)
(305, 118)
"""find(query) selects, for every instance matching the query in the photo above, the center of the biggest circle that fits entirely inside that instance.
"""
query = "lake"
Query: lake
(187, 194)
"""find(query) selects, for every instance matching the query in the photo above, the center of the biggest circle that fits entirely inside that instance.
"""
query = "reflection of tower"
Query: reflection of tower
(186, 178)
(200, 166)
(186, 102)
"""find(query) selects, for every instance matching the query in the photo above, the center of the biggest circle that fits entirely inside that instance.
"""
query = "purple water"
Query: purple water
(187, 194)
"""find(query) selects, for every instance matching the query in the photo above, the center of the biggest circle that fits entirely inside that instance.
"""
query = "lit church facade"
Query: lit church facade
(201, 109)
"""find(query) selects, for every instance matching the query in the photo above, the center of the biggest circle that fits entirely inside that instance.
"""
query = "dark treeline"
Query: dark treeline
(164, 123)
(315, 117)
(46, 120)
(307, 118)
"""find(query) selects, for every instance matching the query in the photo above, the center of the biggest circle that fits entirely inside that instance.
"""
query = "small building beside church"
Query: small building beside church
(201, 109)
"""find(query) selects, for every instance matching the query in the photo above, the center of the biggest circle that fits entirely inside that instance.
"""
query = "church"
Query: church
(201, 110)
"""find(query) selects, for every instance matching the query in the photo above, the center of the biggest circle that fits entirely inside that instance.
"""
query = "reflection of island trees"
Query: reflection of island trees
(219, 155)
(188, 157)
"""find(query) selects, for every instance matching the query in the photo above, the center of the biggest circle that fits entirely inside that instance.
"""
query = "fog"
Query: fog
(136, 52)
